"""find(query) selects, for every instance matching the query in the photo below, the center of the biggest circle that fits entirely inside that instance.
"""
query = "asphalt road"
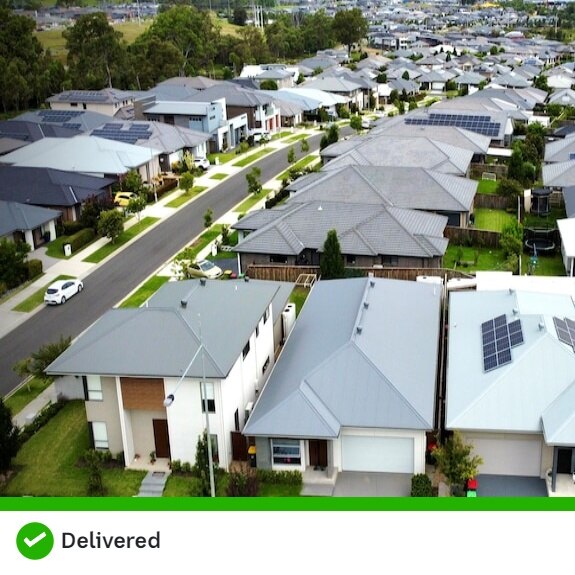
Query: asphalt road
(113, 280)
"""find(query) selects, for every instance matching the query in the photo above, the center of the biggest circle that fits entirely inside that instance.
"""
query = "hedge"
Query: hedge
(81, 238)
(280, 477)
(70, 228)
(35, 268)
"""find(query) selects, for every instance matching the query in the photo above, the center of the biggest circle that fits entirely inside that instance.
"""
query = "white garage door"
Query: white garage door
(385, 454)
(509, 456)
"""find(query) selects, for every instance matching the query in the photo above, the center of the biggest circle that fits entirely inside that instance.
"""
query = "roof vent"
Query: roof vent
(203, 281)
(184, 304)
(511, 291)
(372, 283)
(515, 311)
(541, 326)
(358, 329)
(365, 304)
(246, 279)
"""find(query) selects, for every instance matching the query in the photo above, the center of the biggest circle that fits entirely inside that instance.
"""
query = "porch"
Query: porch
(318, 482)
(161, 464)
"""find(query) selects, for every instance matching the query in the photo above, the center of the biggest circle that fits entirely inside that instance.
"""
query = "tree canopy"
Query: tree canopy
(9, 443)
(331, 263)
(350, 27)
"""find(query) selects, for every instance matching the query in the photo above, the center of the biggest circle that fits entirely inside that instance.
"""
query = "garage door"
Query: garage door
(509, 456)
(384, 454)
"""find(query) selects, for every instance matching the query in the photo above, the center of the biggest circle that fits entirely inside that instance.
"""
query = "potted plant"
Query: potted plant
(152, 457)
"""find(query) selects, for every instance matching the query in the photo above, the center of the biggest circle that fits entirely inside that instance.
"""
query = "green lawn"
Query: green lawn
(493, 220)
(296, 138)
(184, 198)
(250, 202)
(21, 398)
(280, 135)
(218, 176)
(487, 187)
(37, 298)
(145, 291)
(124, 238)
(252, 157)
(546, 222)
(298, 296)
(222, 157)
(207, 237)
(181, 486)
(545, 266)
(55, 248)
(487, 259)
(298, 166)
(46, 463)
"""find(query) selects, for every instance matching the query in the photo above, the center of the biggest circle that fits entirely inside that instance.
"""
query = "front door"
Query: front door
(564, 456)
(161, 437)
(318, 453)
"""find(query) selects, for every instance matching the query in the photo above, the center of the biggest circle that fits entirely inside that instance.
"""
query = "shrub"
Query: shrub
(71, 228)
(45, 415)
(176, 466)
(81, 238)
(34, 268)
(421, 486)
(279, 477)
(186, 467)
(3, 288)
(243, 485)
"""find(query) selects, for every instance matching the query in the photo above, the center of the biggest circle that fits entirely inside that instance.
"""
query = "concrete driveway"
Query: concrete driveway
(510, 486)
(358, 484)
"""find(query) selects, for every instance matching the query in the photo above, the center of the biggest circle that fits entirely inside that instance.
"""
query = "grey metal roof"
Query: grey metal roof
(330, 376)
(559, 174)
(104, 96)
(569, 198)
(560, 150)
(402, 187)
(235, 95)
(513, 397)
(46, 187)
(32, 131)
(362, 229)
(83, 120)
(410, 151)
(14, 217)
(161, 339)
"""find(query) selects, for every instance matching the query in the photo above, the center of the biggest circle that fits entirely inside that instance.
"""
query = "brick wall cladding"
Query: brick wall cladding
(142, 393)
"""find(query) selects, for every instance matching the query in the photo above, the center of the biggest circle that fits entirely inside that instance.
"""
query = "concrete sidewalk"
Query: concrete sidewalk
(76, 267)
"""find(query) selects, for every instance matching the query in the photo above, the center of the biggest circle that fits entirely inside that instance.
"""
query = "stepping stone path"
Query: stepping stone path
(153, 484)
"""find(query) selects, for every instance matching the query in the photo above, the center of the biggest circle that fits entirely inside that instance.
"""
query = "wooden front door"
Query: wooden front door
(317, 453)
(161, 437)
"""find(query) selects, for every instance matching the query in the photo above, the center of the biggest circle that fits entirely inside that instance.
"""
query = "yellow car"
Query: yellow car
(122, 199)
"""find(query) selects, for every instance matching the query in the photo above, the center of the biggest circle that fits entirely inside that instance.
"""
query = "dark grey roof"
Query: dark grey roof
(32, 131)
(83, 120)
(160, 340)
(330, 376)
(234, 95)
(362, 229)
(14, 217)
(105, 96)
(46, 187)
(402, 187)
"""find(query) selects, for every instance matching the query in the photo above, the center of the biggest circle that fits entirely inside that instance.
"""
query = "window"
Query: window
(92, 388)
(278, 259)
(99, 435)
(390, 260)
(257, 330)
(237, 420)
(266, 314)
(210, 397)
(286, 451)
(350, 260)
(215, 452)
(246, 350)
(266, 365)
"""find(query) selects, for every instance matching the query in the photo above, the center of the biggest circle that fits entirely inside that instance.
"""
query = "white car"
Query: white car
(202, 163)
(62, 290)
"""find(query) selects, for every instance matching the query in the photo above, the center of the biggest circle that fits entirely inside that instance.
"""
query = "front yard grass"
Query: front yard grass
(184, 198)
(493, 220)
(37, 298)
(145, 291)
(296, 138)
(21, 398)
(298, 166)
(55, 248)
(252, 157)
(124, 238)
(251, 201)
(206, 238)
(487, 187)
(222, 157)
(218, 176)
(46, 463)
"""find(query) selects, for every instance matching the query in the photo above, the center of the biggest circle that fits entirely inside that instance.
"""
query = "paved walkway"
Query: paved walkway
(153, 484)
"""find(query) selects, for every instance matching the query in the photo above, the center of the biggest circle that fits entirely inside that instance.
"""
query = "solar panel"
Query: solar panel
(515, 333)
(498, 337)
(490, 363)
(499, 321)
(562, 331)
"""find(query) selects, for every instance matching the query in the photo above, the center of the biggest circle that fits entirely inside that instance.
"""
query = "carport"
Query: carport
(510, 486)
(360, 484)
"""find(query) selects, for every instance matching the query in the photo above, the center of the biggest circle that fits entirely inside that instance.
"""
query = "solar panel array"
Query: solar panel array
(478, 124)
(117, 132)
(565, 329)
(498, 338)
(83, 96)
(58, 116)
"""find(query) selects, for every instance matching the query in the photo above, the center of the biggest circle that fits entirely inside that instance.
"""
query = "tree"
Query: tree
(511, 189)
(111, 224)
(91, 210)
(355, 123)
(97, 55)
(350, 27)
(187, 182)
(304, 146)
(208, 218)
(94, 460)
(291, 155)
(201, 467)
(13, 270)
(317, 32)
(268, 85)
(240, 16)
(253, 179)
(137, 205)
(9, 443)
(511, 239)
(453, 458)
(331, 263)
(405, 75)
(540, 82)
(36, 364)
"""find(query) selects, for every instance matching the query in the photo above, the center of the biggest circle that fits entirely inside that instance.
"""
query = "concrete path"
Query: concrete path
(28, 414)
(153, 484)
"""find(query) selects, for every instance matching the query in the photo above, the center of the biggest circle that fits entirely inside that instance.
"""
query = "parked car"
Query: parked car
(202, 163)
(122, 199)
(61, 290)
(205, 269)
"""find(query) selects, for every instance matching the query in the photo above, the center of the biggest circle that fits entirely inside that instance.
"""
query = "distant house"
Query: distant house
(108, 101)
(131, 360)
(510, 379)
(65, 192)
(560, 150)
(346, 393)
(30, 224)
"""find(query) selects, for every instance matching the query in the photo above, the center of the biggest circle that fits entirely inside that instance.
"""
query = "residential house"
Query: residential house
(510, 379)
(109, 101)
(346, 393)
(30, 224)
(190, 333)
(369, 235)
(65, 192)
(564, 97)
(561, 150)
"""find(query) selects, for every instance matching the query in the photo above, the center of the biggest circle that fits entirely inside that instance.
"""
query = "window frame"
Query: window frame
(91, 392)
(210, 391)
(97, 436)
(286, 458)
